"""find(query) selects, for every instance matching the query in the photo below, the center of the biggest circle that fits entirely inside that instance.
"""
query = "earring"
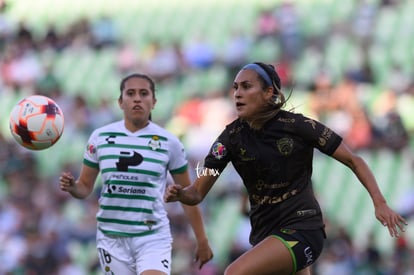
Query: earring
(277, 100)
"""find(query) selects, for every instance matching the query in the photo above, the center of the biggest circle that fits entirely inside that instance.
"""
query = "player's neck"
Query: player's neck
(134, 126)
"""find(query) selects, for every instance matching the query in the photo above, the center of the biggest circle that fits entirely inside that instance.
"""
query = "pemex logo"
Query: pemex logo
(126, 160)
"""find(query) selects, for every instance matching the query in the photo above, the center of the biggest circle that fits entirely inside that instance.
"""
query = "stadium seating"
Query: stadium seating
(92, 73)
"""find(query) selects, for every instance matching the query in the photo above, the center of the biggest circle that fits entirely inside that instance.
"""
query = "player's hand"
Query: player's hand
(203, 253)
(392, 220)
(66, 182)
(172, 193)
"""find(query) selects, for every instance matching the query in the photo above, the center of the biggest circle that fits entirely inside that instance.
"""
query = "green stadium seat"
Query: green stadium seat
(385, 27)
(315, 17)
(342, 10)
(265, 51)
(307, 67)
(380, 63)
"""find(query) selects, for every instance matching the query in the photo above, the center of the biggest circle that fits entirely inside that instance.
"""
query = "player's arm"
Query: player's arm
(204, 252)
(360, 168)
(83, 186)
(190, 194)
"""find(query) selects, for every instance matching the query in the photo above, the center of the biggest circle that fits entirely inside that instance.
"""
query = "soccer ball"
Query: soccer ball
(36, 122)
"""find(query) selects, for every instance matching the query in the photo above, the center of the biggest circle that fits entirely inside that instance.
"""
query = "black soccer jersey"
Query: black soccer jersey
(275, 164)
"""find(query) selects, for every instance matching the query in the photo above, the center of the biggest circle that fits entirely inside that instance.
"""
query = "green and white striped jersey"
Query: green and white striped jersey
(133, 170)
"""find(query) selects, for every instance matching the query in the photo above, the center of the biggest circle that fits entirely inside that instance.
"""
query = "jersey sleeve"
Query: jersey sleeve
(318, 135)
(90, 155)
(178, 159)
(219, 153)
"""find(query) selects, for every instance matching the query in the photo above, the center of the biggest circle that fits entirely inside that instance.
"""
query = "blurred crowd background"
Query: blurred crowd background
(347, 63)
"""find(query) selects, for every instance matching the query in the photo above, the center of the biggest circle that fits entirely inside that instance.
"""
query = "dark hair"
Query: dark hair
(137, 75)
(278, 99)
(271, 71)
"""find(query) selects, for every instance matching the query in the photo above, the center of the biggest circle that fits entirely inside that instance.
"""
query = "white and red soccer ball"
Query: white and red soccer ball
(36, 122)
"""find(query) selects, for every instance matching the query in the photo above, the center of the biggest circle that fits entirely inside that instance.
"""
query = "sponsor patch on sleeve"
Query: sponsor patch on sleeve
(90, 149)
(218, 150)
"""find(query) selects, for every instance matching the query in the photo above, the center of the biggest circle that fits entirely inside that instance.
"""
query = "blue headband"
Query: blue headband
(260, 71)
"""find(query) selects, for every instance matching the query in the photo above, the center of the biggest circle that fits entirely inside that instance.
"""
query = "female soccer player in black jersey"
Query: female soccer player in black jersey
(272, 150)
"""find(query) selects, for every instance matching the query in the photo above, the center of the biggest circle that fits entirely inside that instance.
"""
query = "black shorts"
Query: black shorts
(305, 246)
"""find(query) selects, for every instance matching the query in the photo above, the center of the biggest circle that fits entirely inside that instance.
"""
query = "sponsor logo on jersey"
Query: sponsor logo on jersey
(326, 135)
(309, 255)
(260, 185)
(125, 177)
(266, 200)
(125, 190)
(243, 156)
(311, 122)
(165, 263)
(90, 149)
(110, 139)
(130, 190)
(218, 150)
(127, 160)
(286, 120)
(307, 212)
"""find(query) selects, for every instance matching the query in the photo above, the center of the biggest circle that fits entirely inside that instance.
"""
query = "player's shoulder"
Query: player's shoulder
(232, 128)
(296, 122)
(290, 117)
(235, 124)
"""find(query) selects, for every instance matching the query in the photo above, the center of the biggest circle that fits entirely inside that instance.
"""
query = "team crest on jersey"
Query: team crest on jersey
(155, 143)
(285, 146)
(90, 149)
(218, 150)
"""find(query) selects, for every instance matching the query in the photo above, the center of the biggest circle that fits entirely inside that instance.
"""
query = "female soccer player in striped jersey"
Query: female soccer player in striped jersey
(134, 156)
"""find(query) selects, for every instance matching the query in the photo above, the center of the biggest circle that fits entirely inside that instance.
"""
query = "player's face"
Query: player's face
(137, 102)
(249, 96)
